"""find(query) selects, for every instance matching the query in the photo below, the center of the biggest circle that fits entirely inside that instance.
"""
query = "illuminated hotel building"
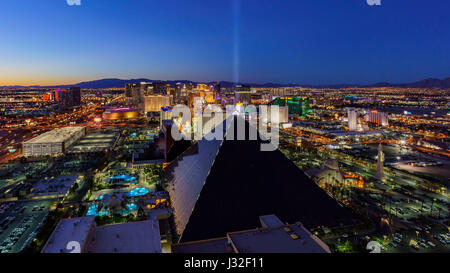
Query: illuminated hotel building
(217, 89)
(48, 96)
(133, 92)
(182, 91)
(280, 114)
(352, 119)
(157, 89)
(154, 103)
(379, 118)
(137, 91)
(380, 163)
(242, 94)
(297, 105)
(66, 98)
(75, 93)
(206, 91)
(165, 114)
(198, 105)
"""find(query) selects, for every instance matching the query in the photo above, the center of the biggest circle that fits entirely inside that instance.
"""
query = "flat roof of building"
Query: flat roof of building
(67, 230)
(217, 245)
(56, 135)
(134, 237)
(95, 141)
(270, 221)
(273, 237)
(282, 239)
(60, 184)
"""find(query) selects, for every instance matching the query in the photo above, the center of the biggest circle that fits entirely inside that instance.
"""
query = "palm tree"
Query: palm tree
(431, 207)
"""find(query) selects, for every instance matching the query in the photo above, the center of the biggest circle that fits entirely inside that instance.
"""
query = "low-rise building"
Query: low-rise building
(273, 237)
(56, 187)
(81, 235)
(54, 142)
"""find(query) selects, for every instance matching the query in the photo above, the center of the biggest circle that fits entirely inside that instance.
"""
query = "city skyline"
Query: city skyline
(251, 41)
(224, 127)
(118, 83)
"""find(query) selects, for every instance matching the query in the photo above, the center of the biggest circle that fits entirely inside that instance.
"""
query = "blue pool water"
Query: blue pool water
(137, 192)
(130, 207)
(125, 177)
(93, 210)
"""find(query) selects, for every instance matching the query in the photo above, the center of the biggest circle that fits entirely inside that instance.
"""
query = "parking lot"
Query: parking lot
(20, 222)
(420, 242)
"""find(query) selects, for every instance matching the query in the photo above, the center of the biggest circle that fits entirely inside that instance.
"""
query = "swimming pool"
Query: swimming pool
(125, 177)
(137, 192)
(130, 207)
(93, 210)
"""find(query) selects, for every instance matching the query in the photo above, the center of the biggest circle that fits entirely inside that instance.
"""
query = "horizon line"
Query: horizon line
(210, 81)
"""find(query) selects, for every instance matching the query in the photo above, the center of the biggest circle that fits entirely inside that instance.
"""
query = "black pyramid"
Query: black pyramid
(222, 186)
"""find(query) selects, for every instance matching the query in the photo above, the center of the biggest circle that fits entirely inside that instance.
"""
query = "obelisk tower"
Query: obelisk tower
(380, 163)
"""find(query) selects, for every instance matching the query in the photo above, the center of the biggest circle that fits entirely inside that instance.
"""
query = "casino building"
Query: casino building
(120, 114)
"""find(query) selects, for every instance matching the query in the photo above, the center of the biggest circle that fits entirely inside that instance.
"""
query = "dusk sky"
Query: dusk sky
(255, 41)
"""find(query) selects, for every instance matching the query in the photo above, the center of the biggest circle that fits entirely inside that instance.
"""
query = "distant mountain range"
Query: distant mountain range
(118, 83)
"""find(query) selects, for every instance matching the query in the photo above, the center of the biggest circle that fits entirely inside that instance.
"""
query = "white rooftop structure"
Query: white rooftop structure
(134, 237)
(276, 239)
(68, 230)
(57, 135)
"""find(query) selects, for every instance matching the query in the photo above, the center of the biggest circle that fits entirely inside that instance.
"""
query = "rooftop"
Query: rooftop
(282, 239)
(67, 230)
(134, 237)
(56, 135)
(60, 184)
(273, 237)
(95, 141)
(270, 221)
(217, 245)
